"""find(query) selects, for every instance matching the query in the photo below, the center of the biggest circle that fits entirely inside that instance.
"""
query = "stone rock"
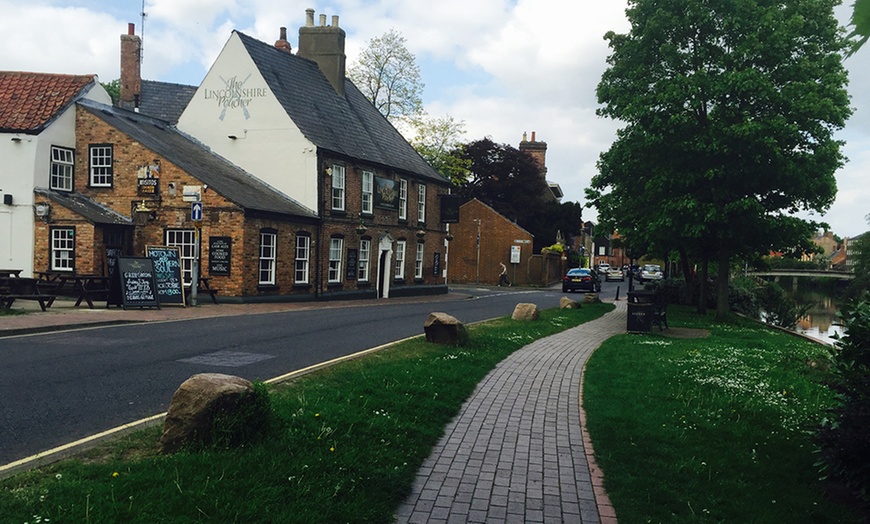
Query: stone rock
(445, 329)
(567, 303)
(590, 298)
(195, 404)
(525, 311)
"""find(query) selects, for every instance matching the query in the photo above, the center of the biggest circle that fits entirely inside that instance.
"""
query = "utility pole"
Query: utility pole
(478, 249)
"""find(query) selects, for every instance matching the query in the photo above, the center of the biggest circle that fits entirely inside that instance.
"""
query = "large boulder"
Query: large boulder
(591, 298)
(567, 303)
(525, 311)
(197, 402)
(445, 329)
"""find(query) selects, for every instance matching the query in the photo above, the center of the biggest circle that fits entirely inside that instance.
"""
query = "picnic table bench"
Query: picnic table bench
(204, 288)
(22, 288)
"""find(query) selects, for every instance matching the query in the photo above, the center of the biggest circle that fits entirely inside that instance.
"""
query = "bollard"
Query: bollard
(617, 293)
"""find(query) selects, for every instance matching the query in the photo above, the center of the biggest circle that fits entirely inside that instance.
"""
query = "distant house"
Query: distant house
(851, 251)
(37, 148)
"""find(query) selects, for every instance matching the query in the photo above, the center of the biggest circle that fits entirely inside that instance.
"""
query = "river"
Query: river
(822, 321)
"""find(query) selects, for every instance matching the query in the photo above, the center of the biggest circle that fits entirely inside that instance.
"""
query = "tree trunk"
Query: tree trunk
(702, 287)
(689, 288)
(722, 308)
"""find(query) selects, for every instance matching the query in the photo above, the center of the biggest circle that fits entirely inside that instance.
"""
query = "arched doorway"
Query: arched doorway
(385, 261)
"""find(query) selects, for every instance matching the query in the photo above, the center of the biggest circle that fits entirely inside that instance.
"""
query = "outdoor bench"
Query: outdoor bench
(24, 289)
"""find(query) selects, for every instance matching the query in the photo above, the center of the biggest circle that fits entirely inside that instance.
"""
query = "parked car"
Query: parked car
(614, 273)
(603, 268)
(650, 272)
(581, 279)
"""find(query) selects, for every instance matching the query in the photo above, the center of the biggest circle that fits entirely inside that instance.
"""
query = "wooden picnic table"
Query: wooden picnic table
(85, 288)
(204, 288)
(10, 272)
(23, 288)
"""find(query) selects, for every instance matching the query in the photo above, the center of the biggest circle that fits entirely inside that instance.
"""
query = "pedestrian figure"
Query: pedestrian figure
(502, 277)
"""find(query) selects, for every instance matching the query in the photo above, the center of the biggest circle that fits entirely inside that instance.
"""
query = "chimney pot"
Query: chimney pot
(334, 20)
(322, 20)
(533, 136)
(282, 43)
(309, 17)
(131, 29)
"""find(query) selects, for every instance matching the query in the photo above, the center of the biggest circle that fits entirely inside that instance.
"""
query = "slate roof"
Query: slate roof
(30, 101)
(84, 206)
(348, 125)
(229, 180)
(164, 100)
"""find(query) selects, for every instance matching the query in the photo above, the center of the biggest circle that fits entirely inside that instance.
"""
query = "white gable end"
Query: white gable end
(236, 115)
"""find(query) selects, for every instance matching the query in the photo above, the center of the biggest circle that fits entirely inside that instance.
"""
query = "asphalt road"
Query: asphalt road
(60, 387)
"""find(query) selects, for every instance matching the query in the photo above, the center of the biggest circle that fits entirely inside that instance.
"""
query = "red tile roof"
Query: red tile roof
(28, 101)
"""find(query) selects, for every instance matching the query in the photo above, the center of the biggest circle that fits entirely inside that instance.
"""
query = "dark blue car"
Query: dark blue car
(581, 279)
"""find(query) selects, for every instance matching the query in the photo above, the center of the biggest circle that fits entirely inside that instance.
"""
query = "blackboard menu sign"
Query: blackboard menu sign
(133, 284)
(167, 274)
(219, 254)
(112, 254)
(352, 259)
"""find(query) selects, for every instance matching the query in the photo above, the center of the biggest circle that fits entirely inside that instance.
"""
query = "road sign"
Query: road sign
(196, 211)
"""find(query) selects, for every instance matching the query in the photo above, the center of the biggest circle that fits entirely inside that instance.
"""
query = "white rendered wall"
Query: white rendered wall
(234, 100)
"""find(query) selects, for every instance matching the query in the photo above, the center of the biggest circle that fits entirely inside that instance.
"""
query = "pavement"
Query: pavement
(517, 452)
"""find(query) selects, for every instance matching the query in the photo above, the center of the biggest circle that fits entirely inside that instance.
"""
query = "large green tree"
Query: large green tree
(437, 140)
(388, 75)
(730, 108)
(860, 25)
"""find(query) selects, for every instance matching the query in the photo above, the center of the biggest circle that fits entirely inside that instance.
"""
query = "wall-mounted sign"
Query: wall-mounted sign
(352, 260)
(219, 255)
(522, 241)
(515, 254)
(436, 264)
(235, 94)
(450, 208)
(148, 186)
(191, 193)
(386, 193)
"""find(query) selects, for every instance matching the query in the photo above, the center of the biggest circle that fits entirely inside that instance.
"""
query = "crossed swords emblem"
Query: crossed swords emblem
(234, 95)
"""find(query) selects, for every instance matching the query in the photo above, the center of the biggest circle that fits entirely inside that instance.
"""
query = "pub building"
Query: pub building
(307, 191)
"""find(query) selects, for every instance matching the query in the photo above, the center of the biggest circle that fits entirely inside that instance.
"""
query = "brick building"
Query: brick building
(305, 186)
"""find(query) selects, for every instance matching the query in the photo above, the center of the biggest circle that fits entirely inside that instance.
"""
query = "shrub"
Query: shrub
(743, 296)
(845, 448)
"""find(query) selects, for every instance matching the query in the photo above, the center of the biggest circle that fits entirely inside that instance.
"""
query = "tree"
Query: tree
(504, 178)
(387, 74)
(730, 110)
(437, 141)
(114, 89)
(861, 24)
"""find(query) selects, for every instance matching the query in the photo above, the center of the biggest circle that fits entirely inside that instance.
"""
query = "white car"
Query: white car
(614, 273)
(651, 272)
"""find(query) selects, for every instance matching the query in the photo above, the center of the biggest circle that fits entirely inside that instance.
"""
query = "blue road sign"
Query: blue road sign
(196, 211)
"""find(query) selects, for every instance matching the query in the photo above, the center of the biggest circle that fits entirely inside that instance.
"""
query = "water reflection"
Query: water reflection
(822, 321)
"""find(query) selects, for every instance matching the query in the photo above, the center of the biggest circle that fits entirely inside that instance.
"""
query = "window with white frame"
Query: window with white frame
(403, 199)
(399, 272)
(61, 177)
(421, 203)
(365, 251)
(368, 191)
(335, 247)
(63, 244)
(268, 250)
(184, 240)
(338, 188)
(418, 261)
(303, 248)
(101, 165)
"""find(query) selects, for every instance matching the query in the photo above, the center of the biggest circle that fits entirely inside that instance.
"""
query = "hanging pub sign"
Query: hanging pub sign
(450, 209)
(386, 193)
(148, 186)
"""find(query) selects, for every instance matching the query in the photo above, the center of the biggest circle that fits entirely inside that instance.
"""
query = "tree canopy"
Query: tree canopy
(860, 24)
(387, 74)
(437, 141)
(730, 108)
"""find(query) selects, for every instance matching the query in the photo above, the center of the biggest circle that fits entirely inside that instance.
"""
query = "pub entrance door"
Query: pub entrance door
(385, 259)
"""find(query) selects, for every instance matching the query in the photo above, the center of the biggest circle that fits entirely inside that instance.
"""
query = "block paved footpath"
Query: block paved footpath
(517, 451)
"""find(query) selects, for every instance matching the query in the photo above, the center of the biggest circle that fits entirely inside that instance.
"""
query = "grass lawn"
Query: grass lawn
(344, 445)
(715, 429)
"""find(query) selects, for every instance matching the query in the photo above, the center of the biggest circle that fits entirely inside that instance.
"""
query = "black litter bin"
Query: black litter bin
(640, 311)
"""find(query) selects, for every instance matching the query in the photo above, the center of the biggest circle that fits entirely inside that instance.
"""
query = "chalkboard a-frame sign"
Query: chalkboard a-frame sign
(133, 284)
(167, 274)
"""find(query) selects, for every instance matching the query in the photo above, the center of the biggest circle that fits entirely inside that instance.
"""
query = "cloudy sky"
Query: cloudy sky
(503, 66)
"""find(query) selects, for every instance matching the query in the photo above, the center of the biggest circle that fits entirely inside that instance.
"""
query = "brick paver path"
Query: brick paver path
(515, 452)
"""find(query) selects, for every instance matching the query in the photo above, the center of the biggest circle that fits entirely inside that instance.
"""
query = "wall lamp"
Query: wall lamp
(361, 227)
(237, 137)
(142, 215)
(18, 139)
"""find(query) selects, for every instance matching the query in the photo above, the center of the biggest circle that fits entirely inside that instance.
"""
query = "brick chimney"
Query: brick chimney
(538, 150)
(324, 44)
(131, 69)
(282, 42)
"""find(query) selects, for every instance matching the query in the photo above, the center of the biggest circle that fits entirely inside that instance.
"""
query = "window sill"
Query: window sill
(267, 287)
